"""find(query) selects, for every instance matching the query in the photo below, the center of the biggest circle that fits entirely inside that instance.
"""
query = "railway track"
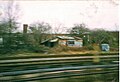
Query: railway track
(32, 69)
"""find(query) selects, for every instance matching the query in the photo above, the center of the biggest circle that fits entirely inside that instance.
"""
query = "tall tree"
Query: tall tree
(101, 36)
(79, 29)
(3, 28)
(8, 23)
(11, 14)
(59, 29)
(40, 31)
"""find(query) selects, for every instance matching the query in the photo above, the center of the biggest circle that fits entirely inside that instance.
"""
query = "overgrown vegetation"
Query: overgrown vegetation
(96, 36)
(30, 42)
(11, 41)
(38, 48)
(59, 49)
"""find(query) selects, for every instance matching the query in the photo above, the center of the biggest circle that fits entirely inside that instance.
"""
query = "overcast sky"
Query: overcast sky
(94, 13)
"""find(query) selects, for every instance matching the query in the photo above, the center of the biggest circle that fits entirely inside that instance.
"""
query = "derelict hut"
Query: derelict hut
(70, 41)
(64, 41)
(50, 42)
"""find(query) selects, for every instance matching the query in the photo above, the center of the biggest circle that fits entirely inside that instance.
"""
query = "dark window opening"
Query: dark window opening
(70, 42)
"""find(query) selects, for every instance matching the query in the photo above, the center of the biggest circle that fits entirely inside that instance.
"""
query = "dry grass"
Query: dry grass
(71, 50)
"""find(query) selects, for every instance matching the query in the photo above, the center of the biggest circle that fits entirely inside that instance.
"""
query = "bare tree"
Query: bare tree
(59, 29)
(78, 29)
(8, 23)
(11, 15)
(114, 2)
(40, 31)
(101, 36)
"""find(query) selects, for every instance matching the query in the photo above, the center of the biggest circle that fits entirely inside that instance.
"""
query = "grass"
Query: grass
(61, 51)
(60, 54)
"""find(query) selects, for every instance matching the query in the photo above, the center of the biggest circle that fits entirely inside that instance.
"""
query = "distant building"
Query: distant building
(64, 41)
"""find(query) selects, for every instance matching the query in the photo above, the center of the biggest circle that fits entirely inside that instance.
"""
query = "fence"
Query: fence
(20, 69)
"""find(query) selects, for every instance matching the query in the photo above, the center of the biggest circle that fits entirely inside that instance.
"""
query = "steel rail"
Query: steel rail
(54, 55)
(57, 76)
(60, 65)
(63, 76)
(53, 59)
(55, 69)
(50, 62)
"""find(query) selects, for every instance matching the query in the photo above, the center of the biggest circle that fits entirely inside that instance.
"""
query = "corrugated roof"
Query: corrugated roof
(78, 38)
(45, 40)
(65, 37)
(54, 40)
(62, 37)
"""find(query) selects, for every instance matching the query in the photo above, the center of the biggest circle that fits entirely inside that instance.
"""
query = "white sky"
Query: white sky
(94, 13)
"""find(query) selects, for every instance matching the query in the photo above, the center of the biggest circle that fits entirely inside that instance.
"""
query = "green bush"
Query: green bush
(90, 47)
(38, 48)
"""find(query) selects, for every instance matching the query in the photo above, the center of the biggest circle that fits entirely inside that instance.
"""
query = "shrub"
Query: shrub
(59, 48)
(90, 47)
(38, 48)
